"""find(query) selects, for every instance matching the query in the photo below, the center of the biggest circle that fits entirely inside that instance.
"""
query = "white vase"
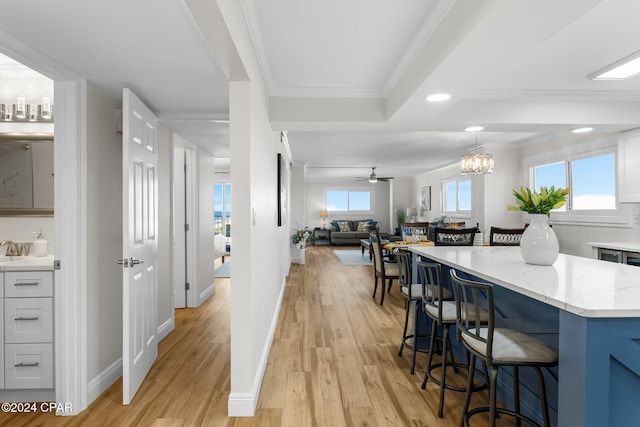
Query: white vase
(539, 244)
(297, 255)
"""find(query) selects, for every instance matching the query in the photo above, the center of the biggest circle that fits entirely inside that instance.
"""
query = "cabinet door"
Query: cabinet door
(28, 320)
(21, 284)
(28, 366)
(628, 167)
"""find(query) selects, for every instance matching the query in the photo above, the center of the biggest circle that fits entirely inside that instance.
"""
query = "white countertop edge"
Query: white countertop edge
(29, 263)
(620, 246)
(568, 306)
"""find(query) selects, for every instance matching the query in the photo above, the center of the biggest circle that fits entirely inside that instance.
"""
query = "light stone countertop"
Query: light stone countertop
(583, 286)
(620, 246)
(28, 263)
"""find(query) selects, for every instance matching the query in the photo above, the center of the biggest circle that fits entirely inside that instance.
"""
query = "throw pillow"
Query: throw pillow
(335, 226)
(343, 226)
(363, 226)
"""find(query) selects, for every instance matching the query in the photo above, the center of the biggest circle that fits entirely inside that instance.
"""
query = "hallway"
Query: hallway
(333, 363)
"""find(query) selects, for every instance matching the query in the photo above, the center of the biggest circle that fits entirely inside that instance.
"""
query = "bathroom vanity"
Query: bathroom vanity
(27, 320)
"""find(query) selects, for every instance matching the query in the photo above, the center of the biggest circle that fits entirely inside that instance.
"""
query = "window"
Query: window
(457, 195)
(222, 208)
(592, 181)
(348, 200)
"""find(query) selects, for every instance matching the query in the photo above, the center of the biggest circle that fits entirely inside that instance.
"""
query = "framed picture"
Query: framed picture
(425, 198)
(282, 191)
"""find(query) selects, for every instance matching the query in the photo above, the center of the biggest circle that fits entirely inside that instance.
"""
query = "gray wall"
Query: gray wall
(104, 233)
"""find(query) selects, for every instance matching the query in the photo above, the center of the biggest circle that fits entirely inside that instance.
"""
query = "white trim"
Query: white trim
(166, 328)
(209, 291)
(244, 404)
(70, 209)
(104, 380)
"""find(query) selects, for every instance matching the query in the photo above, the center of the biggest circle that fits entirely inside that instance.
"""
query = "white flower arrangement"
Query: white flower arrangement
(300, 238)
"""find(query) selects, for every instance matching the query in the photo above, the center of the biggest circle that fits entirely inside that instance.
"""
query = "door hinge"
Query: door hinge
(186, 286)
(186, 227)
(56, 264)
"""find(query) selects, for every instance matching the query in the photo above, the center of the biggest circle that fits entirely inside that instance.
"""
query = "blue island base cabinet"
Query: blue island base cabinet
(600, 371)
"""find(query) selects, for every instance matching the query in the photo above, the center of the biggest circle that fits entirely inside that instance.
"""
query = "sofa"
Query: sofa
(349, 232)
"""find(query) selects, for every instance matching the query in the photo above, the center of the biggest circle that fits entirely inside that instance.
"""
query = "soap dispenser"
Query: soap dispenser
(40, 245)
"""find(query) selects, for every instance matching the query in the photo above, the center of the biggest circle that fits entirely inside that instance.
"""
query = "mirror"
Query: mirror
(26, 175)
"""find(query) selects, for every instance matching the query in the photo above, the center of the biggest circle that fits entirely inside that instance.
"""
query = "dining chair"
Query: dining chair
(505, 236)
(408, 229)
(385, 269)
(454, 236)
(497, 347)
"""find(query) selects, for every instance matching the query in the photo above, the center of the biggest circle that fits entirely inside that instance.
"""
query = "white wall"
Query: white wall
(20, 229)
(315, 202)
(104, 234)
(402, 195)
(165, 308)
(258, 273)
(298, 212)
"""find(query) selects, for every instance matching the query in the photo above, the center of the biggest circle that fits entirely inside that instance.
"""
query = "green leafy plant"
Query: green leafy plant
(539, 203)
(400, 214)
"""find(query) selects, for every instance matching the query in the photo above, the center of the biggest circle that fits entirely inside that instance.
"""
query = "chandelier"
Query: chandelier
(476, 164)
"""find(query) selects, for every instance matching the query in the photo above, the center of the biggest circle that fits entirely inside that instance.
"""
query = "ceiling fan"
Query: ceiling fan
(373, 178)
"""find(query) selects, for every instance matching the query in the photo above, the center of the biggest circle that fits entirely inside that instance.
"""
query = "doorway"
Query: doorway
(183, 247)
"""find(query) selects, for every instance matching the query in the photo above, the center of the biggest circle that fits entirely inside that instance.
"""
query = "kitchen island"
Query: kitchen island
(589, 310)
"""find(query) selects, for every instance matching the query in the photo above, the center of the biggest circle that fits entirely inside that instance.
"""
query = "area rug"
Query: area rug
(353, 256)
(224, 270)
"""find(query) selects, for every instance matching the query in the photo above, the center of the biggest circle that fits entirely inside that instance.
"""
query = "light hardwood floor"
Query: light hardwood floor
(334, 362)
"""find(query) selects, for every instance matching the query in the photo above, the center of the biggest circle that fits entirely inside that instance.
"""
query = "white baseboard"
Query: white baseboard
(206, 294)
(104, 380)
(165, 329)
(244, 404)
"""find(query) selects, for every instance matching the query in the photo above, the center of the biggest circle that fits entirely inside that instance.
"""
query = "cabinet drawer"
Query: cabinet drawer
(28, 284)
(28, 366)
(28, 320)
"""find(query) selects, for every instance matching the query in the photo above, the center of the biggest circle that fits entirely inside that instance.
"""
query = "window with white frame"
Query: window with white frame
(456, 196)
(592, 180)
(348, 200)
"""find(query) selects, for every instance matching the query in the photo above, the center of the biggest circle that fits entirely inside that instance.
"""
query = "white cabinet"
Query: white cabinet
(629, 167)
(27, 317)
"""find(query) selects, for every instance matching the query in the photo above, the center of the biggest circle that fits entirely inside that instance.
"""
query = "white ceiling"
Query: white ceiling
(347, 80)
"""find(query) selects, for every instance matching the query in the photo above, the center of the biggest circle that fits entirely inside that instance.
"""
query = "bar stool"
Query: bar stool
(413, 295)
(442, 311)
(497, 347)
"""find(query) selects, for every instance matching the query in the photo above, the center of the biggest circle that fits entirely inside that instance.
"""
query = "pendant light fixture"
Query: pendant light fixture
(476, 164)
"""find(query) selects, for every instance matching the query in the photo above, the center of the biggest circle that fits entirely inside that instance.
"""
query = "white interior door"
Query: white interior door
(140, 245)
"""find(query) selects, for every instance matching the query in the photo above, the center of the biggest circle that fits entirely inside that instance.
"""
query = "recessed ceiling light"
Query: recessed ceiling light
(620, 70)
(582, 130)
(438, 97)
(473, 129)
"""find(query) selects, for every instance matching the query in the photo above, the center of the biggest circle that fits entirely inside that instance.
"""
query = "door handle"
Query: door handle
(130, 262)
